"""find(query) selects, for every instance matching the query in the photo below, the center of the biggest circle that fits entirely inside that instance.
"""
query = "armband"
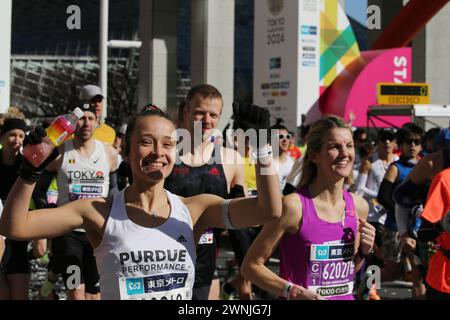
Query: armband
(226, 215)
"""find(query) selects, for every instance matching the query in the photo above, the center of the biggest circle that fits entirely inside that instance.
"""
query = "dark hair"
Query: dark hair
(365, 149)
(386, 134)
(357, 133)
(407, 130)
(279, 127)
(148, 111)
(204, 91)
(431, 134)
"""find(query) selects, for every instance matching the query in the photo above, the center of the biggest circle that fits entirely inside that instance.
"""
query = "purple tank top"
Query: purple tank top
(319, 256)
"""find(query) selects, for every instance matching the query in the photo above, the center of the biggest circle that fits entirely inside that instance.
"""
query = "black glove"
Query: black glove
(26, 170)
(251, 117)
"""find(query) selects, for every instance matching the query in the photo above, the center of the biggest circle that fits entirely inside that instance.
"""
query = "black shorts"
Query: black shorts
(205, 265)
(74, 249)
(15, 258)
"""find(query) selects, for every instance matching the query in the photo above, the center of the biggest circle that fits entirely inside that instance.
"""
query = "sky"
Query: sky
(357, 9)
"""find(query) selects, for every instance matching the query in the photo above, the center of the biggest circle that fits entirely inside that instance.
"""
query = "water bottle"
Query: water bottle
(416, 220)
(57, 133)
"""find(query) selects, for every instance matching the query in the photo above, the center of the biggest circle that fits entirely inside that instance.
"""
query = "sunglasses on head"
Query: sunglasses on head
(151, 107)
(417, 142)
(284, 136)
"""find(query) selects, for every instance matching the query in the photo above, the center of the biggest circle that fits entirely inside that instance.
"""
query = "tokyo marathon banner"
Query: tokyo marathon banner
(300, 49)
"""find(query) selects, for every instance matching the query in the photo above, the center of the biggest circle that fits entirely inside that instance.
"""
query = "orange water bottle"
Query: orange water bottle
(57, 133)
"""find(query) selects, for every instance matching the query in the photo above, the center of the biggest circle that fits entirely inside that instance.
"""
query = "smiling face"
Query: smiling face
(284, 139)
(13, 139)
(205, 110)
(152, 148)
(336, 156)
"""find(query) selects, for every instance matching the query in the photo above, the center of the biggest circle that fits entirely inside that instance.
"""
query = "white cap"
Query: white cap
(78, 112)
(90, 91)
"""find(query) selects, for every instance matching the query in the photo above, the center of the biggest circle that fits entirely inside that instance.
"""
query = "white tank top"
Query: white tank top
(284, 170)
(81, 178)
(139, 263)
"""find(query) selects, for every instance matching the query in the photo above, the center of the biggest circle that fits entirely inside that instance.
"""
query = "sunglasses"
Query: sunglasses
(417, 142)
(97, 99)
(284, 136)
(384, 139)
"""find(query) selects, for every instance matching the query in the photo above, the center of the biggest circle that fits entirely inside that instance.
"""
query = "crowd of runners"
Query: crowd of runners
(139, 212)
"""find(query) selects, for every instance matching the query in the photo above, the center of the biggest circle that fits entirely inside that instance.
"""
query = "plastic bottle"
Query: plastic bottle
(58, 132)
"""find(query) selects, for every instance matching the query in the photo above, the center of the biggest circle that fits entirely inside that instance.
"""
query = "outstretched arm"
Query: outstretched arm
(19, 224)
(207, 210)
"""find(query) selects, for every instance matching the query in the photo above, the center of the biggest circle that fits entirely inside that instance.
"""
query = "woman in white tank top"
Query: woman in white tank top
(144, 237)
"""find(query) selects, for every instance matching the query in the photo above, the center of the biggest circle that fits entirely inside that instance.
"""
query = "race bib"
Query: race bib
(170, 286)
(331, 269)
(207, 237)
(77, 192)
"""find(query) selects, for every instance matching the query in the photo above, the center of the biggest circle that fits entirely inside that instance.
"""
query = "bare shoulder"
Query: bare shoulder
(366, 165)
(292, 212)
(361, 206)
(392, 173)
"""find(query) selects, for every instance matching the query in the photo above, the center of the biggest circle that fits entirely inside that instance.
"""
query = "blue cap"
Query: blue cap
(442, 139)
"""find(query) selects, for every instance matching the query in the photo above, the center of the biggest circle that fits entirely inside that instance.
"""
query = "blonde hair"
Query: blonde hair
(11, 113)
(314, 140)
(14, 112)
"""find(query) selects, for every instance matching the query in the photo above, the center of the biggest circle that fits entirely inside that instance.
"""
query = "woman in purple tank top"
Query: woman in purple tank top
(322, 233)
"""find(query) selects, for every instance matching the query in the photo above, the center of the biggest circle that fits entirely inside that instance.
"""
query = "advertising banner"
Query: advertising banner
(276, 58)
(301, 47)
